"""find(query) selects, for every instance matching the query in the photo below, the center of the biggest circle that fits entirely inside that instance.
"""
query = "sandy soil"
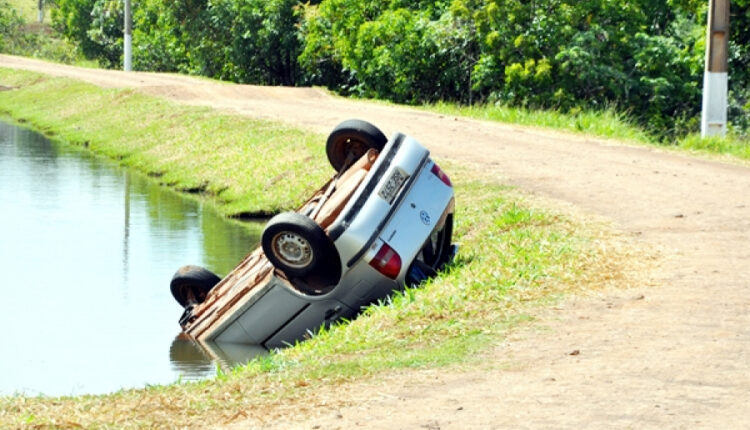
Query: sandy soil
(674, 355)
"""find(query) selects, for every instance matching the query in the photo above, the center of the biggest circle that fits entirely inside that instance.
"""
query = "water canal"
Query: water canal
(87, 250)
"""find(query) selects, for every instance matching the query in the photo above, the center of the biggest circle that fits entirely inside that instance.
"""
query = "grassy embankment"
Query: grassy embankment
(514, 256)
(245, 167)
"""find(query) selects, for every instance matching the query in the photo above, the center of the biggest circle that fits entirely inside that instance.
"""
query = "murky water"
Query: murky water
(87, 250)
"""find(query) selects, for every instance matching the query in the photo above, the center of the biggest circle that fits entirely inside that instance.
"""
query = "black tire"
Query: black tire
(434, 254)
(437, 249)
(352, 136)
(299, 247)
(190, 285)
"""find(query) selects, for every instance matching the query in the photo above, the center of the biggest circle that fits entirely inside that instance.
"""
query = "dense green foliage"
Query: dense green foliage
(641, 57)
(242, 41)
(10, 21)
(739, 65)
(19, 37)
(374, 49)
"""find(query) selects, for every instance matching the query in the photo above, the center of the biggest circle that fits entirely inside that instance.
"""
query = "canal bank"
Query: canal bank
(515, 255)
(247, 168)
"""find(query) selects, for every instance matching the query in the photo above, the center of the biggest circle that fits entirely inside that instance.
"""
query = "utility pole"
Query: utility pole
(715, 78)
(41, 11)
(128, 51)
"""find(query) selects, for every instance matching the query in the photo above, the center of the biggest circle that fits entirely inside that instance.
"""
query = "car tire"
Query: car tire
(353, 137)
(433, 256)
(299, 247)
(190, 285)
(437, 249)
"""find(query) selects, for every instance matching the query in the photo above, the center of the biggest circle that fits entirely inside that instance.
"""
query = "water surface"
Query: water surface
(87, 250)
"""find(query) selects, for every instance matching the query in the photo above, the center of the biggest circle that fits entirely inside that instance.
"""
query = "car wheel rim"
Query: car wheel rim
(292, 249)
(352, 147)
(357, 148)
(191, 295)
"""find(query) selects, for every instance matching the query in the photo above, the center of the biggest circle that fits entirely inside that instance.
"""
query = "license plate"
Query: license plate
(393, 184)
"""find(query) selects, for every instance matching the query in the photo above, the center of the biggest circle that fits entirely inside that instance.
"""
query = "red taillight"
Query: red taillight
(387, 262)
(440, 174)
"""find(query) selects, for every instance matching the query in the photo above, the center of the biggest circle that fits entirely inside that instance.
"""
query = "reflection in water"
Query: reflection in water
(87, 250)
(198, 360)
(126, 230)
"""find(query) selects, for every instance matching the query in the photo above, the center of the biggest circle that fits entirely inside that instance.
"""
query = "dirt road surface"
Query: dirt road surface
(674, 355)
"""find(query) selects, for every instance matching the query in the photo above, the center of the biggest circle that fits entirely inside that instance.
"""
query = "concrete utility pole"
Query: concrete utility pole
(715, 78)
(128, 51)
(41, 11)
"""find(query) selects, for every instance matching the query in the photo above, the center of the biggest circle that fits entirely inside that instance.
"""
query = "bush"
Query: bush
(10, 26)
(417, 54)
(19, 38)
(72, 19)
(106, 32)
(247, 41)
(739, 68)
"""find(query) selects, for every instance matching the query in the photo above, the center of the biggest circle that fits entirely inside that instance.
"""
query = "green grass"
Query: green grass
(511, 254)
(514, 257)
(606, 124)
(731, 145)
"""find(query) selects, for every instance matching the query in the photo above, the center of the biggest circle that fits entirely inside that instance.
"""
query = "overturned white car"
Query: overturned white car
(383, 221)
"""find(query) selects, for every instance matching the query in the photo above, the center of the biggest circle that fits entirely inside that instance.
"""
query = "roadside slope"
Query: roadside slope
(674, 358)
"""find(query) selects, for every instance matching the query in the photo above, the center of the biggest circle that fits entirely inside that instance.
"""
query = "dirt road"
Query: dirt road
(672, 356)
